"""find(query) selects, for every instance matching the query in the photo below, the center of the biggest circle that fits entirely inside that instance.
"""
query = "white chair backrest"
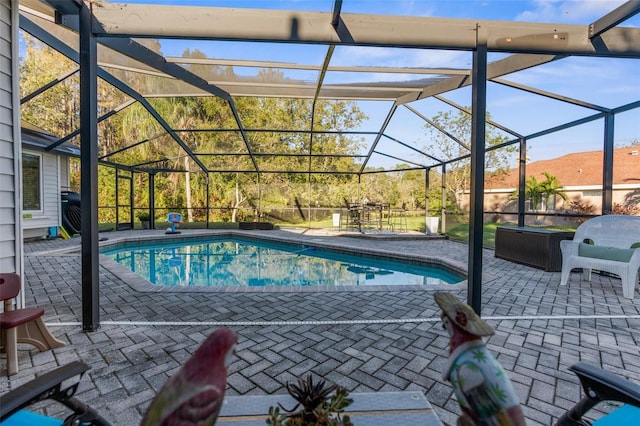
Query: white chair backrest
(610, 230)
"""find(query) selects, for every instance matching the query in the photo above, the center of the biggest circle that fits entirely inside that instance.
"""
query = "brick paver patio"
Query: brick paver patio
(387, 339)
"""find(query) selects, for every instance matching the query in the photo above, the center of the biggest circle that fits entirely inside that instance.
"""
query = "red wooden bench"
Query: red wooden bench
(21, 325)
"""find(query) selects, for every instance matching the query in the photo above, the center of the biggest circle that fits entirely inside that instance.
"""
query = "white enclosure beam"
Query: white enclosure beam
(160, 21)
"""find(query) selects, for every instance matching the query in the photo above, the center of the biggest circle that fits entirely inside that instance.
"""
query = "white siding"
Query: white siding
(63, 173)
(7, 194)
(38, 225)
(10, 218)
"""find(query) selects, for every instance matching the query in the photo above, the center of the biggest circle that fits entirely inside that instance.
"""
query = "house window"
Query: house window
(31, 182)
(544, 204)
(550, 203)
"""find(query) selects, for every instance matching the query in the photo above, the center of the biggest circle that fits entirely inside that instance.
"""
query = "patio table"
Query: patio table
(368, 408)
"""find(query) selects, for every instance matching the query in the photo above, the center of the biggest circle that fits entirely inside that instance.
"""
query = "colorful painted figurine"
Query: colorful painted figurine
(194, 395)
(482, 387)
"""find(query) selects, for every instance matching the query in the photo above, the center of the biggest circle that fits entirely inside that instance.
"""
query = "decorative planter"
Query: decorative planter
(397, 408)
(432, 223)
(335, 217)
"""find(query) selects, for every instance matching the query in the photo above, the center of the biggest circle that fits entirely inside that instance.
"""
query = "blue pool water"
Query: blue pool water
(216, 262)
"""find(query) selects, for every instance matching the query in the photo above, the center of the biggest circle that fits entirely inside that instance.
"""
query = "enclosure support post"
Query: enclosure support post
(208, 202)
(259, 197)
(607, 167)
(152, 200)
(443, 199)
(89, 175)
(476, 207)
(309, 200)
(426, 198)
(131, 200)
(522, 177)
(116, 176)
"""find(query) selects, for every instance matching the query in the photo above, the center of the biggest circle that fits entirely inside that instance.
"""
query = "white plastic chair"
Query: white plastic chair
(619, 231)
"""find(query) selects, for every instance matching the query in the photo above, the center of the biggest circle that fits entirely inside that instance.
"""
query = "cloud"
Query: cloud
(509, 101)
(395, 7)
(577, 12)
(392, 58)
(611, 86)
(575, 70)
(398, 57)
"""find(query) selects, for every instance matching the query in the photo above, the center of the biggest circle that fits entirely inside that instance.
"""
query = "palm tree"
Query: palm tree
(551, 187)
(543, 190)
(533, 191)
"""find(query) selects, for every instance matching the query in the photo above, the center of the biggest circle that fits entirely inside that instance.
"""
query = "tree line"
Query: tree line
(278, 130)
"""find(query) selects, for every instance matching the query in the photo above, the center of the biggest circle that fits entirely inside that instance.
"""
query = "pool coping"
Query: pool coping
(140, 284)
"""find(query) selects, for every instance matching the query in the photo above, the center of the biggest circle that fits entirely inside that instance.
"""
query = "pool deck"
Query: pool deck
(367, 340)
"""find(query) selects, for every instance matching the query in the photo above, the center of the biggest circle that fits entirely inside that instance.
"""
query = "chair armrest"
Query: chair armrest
(48, 385)
(569, 247)
(599, 385)
(605, 386)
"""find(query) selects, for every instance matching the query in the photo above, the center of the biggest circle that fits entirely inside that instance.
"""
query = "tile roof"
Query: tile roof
(577, 169)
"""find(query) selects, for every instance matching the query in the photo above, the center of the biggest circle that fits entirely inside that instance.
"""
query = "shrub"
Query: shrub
(581, 207)
(629, 210)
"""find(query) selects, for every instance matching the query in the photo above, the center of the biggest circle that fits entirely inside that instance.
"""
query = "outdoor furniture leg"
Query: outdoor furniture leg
(37, 334)
(11, 347)
(34, 332)
(23, 325)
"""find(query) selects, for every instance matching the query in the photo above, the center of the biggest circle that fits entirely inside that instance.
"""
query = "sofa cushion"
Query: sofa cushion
(604, 252)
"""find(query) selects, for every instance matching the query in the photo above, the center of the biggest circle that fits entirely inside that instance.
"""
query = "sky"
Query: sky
(606, 82)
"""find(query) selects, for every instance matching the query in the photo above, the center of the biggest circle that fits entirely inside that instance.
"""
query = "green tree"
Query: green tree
(133, 138)
(633, 144)
(458, 124)
(54, 110)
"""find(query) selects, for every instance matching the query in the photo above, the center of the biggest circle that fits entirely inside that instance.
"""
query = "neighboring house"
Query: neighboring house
(44, 175)
(579, 174)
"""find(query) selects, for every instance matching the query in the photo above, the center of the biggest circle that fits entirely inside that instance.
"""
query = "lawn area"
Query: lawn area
(461, 232)
(414, 223)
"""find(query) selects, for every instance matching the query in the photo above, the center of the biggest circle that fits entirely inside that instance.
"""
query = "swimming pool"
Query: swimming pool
(242, 262)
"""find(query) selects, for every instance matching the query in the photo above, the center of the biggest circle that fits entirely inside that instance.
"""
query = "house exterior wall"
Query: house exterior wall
(579, 174)
(10, 149)
(64, 169)
(503, 200)
(36, 224)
